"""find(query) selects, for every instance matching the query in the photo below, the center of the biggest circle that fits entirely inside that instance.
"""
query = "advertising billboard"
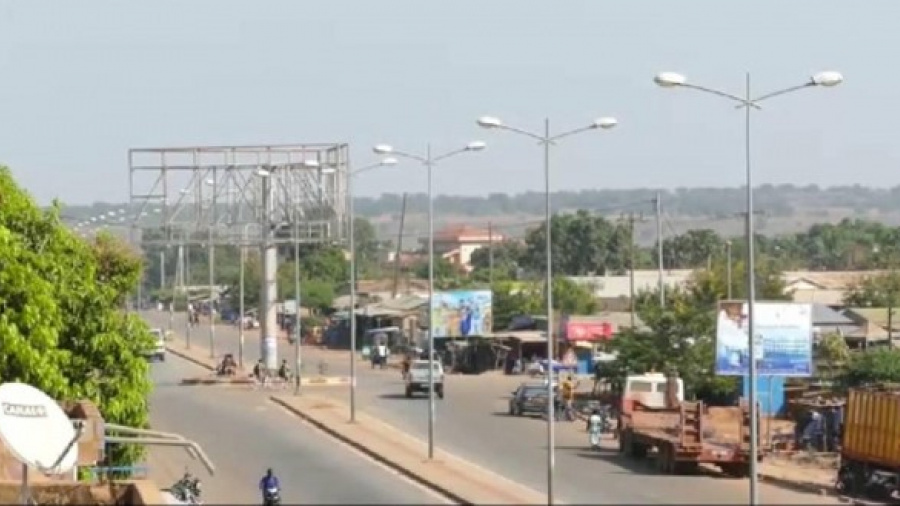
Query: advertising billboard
(462, 313)
(783, 342)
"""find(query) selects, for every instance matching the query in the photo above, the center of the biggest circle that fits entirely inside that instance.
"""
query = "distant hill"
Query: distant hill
(784, 208)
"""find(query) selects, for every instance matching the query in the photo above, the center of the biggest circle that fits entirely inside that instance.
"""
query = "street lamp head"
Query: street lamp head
(312, 164)
(383, 149)
(328, 170)
(828, 78)
(606, 123)
(475, 146)
(489, 122)
(185, 191)
(210, 182)
(388, 161)
(261, 172)
(669, 79)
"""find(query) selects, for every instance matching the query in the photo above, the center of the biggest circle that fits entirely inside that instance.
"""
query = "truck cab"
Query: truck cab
(649, 390)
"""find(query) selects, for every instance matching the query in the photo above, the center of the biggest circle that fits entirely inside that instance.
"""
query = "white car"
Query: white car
(418, 377)
(158, 352)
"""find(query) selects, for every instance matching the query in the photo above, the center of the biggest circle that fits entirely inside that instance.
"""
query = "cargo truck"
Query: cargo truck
(654, 419)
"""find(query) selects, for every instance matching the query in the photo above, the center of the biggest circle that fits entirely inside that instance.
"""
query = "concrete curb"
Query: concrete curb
(806, 487)
(449, 494)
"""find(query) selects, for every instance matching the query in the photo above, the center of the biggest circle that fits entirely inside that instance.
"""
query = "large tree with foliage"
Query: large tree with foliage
(583, 244)
(512, 298)
(875, 291)
(62, 325)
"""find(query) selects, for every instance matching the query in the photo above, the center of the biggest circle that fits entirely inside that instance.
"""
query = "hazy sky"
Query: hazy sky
(84, 81)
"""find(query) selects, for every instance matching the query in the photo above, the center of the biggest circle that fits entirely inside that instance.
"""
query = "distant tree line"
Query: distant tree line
(774, 200)
(780, 200)
(586, 244)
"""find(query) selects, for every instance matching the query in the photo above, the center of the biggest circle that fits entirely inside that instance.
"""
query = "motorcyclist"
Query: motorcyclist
(268, 484)
(595, 427)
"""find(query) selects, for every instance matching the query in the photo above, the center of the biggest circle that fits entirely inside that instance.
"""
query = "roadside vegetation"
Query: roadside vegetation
(63, 328)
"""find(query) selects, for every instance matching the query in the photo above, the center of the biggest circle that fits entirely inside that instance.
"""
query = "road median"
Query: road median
(201, 358)
(451, 476)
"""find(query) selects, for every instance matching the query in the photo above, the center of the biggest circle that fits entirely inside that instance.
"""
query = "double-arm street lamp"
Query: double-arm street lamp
(352, 313)
(547, 140)
(748, 102)
(429, 162)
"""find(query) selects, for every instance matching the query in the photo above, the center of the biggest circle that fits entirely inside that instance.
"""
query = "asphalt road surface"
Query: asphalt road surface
(472, 422)
(244, 434)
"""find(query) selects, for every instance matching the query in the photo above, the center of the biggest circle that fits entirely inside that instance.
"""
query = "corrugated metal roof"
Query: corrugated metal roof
(824, 315)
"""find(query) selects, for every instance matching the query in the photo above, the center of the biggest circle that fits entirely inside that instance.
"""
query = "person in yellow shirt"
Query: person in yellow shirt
(567, 389)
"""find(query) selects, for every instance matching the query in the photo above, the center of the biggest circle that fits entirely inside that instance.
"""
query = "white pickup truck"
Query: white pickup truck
(417, 379)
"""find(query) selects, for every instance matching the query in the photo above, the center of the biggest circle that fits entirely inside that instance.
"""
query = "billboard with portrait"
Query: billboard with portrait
(462, 313)
(783, 343)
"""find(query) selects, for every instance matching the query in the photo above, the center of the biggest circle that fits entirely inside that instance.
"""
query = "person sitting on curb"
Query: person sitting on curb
(228, 367)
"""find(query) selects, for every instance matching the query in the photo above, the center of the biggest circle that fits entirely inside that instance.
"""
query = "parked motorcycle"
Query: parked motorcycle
(187, 490)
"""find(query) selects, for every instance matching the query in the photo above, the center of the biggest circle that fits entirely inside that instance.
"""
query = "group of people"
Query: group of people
(261, 372)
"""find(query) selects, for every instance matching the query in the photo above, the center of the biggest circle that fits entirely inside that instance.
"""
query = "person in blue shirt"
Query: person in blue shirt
(269, 481)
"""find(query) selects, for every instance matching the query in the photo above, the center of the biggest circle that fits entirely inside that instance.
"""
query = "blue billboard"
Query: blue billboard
(783, 344)
(462, 313)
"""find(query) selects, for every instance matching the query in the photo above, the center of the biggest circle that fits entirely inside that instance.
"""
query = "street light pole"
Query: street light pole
(212, 268)
(547, 140)
(297, 330)
(352, 312)
(671, 80)
(548, 236)
(429, 161)
(241, 308)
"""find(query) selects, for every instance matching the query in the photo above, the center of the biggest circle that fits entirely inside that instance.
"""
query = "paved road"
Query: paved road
(244, 434)
(472, 423)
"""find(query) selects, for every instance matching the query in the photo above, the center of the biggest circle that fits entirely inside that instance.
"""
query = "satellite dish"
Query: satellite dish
(36, 430)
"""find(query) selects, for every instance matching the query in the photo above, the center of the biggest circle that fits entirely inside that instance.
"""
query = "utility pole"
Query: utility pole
(491, 252)
(659, 250)
(399, 249)
(629, 219)
(728, 267)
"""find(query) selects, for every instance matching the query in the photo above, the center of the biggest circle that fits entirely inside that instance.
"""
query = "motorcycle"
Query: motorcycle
(598, 424)
(272, 497)
(187, 490)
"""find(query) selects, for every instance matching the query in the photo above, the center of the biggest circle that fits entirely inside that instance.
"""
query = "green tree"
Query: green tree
(692, 249)
(368, 247)
(833, 353)
(875, 291)
(62, 328)
(507, 261)
(513, 299)
(583, 244)
(873, 366)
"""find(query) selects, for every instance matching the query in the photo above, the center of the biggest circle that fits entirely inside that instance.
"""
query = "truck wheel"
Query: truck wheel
(625, 443)
(736, 470)
(440, 392)
(408, 392)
